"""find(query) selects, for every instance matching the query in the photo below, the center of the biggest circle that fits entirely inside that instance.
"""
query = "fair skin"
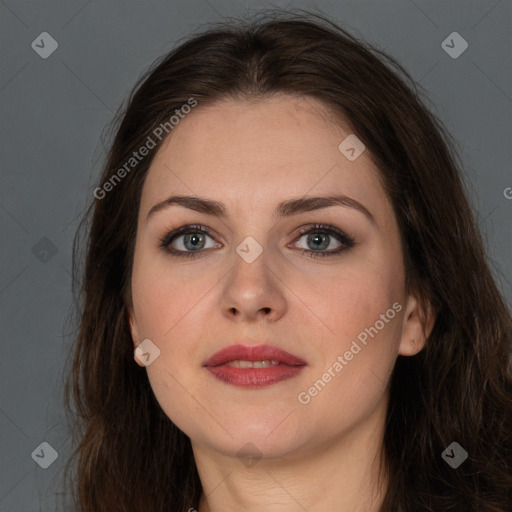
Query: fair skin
(251, 156)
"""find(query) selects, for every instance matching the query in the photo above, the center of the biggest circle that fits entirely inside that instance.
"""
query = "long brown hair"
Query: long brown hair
(129, 456)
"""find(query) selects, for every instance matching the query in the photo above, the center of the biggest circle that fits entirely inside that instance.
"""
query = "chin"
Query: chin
(268, 436)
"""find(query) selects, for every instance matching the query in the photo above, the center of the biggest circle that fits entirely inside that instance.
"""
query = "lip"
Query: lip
(289, 365)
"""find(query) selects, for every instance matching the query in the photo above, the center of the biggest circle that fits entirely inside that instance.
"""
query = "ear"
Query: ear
(134, 330)
(417, 325)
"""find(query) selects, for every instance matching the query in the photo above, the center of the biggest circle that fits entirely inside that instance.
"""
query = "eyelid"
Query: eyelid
(173, 233)
(325, 228)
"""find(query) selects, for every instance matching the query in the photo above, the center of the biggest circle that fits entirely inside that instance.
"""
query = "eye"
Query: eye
(320, 237)
(188, 240)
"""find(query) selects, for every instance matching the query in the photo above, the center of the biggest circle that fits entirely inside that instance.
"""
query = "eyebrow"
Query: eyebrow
(284, 209)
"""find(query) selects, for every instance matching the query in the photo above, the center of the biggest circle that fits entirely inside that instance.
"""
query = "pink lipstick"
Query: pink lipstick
(258, 366)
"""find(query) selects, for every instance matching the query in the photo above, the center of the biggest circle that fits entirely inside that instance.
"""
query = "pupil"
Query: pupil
(195, 240)
(317, 240)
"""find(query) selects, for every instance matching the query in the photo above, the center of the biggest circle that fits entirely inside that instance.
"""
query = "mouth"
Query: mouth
(255, 366)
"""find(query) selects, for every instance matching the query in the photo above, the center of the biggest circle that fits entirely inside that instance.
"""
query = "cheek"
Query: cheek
(170, 309)
(356, 344)
(165, 293)
(342, 303)
(356, 359)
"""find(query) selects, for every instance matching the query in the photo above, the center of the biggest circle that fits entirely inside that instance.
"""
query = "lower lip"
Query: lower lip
(254, 377)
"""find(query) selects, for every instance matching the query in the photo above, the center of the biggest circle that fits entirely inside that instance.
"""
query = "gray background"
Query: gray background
(54, 111)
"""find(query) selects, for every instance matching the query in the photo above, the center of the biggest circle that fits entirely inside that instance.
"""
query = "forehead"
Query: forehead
(251, 154)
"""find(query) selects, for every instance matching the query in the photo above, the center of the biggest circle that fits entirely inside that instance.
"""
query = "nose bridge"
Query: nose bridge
(251, 264)
(253, 230)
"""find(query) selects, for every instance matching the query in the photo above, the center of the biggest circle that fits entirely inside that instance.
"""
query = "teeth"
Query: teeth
(253, 364)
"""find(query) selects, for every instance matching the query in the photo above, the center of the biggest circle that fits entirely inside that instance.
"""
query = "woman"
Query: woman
(286, 303)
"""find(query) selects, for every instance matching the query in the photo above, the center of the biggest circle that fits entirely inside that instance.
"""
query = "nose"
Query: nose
(253, 291)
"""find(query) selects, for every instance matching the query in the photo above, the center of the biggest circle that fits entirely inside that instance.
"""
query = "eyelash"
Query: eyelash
(346, 241)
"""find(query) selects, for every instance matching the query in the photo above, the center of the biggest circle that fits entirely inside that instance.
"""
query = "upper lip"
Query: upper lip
(253, 353)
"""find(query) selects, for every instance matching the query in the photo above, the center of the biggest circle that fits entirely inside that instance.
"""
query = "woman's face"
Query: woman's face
(253, 279)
